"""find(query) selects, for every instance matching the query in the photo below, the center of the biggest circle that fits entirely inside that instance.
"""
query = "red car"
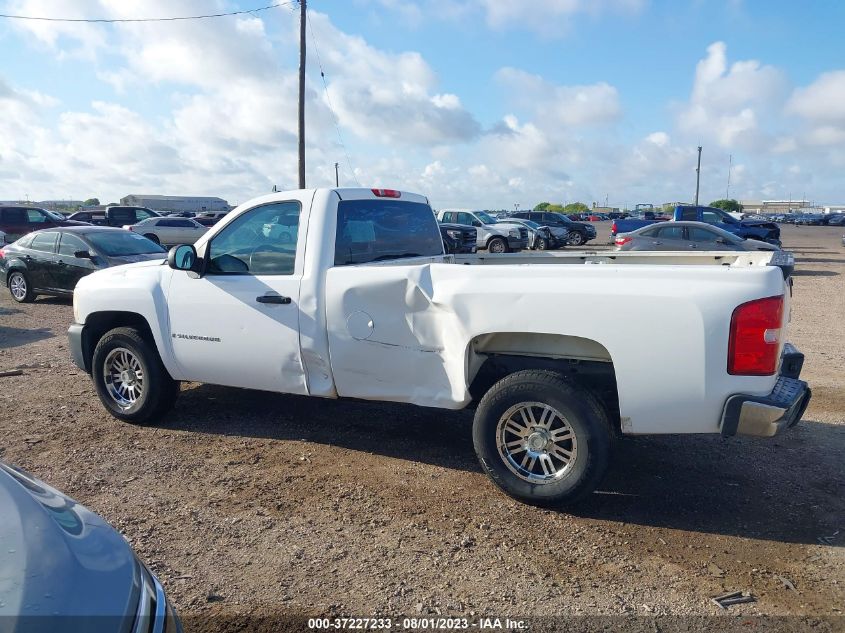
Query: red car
(15, 222)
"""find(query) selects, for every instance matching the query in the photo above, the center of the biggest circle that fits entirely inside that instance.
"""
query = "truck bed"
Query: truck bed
(616, 258)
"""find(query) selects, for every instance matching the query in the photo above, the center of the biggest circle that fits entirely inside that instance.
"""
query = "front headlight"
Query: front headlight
(455, 234)
(513, 233)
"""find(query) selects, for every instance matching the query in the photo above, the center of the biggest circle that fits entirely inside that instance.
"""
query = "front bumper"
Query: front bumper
(76, 338)
(767, 416)
(517, 243)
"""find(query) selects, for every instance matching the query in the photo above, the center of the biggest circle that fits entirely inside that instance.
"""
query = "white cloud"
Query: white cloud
(389, 97)
(726, 101)
(561, 105)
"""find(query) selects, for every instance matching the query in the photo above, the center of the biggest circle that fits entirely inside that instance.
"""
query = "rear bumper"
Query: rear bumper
(767, 416)
(76, 343)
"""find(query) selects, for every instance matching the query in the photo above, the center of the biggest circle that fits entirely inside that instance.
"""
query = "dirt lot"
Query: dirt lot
(254, 503)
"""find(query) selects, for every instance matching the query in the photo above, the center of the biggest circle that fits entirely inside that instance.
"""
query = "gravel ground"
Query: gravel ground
(248, 503)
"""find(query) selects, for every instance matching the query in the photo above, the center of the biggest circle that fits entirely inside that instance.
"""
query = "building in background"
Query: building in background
(175, 203)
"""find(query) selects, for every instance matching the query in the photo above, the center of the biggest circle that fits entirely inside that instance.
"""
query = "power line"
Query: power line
(171, 19)
(331, 107)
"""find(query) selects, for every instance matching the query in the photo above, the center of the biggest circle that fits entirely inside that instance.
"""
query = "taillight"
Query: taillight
(621, 241)
(613, 228)
(755, 337)
(387, 193)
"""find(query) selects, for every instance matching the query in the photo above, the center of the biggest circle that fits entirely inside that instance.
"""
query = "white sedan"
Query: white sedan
(169, 231)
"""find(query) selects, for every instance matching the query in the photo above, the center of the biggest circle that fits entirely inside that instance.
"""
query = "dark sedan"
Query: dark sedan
(66, 569)
(51, 261)
(686, 236)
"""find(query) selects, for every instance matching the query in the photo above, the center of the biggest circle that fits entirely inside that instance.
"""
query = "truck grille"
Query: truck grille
(523, 233)
(470, 237)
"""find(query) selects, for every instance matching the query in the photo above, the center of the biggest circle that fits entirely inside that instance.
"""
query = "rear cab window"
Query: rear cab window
(382, 230)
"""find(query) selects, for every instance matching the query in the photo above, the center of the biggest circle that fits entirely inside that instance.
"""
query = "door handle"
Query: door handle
(279, 299)
(658, 243)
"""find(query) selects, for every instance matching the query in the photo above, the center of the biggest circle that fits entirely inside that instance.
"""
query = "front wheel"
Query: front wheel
(497, 245)
(19, 287)
(129, 377)
(542, 439)
(542, 244)
(576, 239)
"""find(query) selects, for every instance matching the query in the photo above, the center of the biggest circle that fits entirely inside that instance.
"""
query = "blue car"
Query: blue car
(63, 568)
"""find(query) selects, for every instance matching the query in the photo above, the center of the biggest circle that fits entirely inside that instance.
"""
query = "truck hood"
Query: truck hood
(506, 225)
(120, 260)
(59, 558)
(761, 223)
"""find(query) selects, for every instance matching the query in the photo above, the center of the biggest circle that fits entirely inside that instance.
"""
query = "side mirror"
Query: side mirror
(82, 255)
(476, 223)
(183, 257)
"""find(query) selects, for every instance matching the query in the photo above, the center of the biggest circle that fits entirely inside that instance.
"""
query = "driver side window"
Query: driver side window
(262, 241)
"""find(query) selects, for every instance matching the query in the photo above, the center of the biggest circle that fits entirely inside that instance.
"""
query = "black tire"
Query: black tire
(159, 391)
(542, 244)
(497, 245)
(17, 278)
(586, 419)
(153, 238)
(576, 239)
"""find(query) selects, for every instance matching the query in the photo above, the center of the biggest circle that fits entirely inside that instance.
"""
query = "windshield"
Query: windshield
(379, 230)
(485, 218)
(120, 243)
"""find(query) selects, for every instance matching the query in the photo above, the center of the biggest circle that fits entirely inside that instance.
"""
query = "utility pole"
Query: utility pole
(336, 176)
(728, 188)
(302, 18)
(698, 175)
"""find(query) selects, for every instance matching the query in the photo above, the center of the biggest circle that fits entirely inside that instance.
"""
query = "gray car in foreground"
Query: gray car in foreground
(686, 236)
(64, 569)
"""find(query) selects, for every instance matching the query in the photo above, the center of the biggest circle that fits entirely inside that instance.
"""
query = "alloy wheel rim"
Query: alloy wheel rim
(536, 442)
(124, 377)
(17, 285)
(498, 247)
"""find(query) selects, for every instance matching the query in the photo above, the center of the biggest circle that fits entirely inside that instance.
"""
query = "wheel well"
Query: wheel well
(582, 361)
(497, 237)
(98, 323)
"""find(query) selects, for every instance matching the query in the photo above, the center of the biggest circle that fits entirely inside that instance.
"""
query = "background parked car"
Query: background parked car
(686, 236)
(495, 236)
(17, 221)
(836, 220)
(115, 215)
(458, 238)
(169, 231)
(66, 569)
(51, 261)
(579, 232)
(210, 218)
(540, 238)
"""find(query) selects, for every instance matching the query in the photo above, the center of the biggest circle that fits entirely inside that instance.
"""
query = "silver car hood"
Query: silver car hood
(57, 558)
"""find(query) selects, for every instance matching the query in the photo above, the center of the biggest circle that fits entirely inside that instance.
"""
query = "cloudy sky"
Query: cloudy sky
(483, 103)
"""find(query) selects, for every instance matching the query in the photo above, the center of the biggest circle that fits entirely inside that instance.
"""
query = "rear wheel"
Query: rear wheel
(153, 237)
(19, 287)
(129, 377)
(542, 439)
(497, 245)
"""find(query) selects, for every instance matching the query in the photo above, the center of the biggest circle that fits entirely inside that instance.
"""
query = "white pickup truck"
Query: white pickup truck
(556, 352)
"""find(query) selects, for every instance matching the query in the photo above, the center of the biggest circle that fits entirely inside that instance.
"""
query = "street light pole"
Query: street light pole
(336, 176)
(698, 175)
(302, 18)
